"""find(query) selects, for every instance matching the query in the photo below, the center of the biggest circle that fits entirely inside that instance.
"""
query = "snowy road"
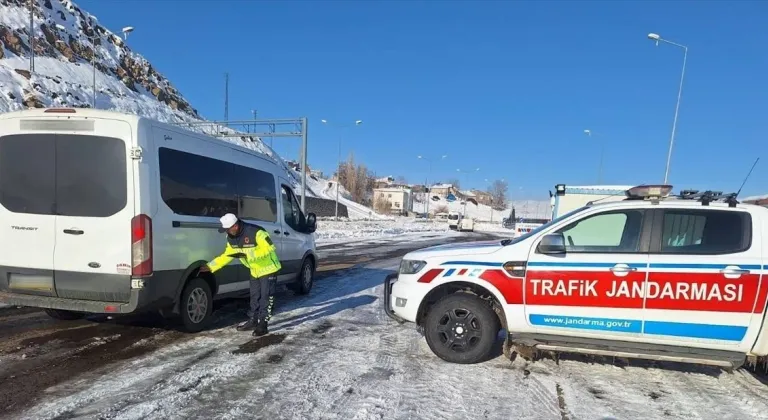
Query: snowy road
(335, 355)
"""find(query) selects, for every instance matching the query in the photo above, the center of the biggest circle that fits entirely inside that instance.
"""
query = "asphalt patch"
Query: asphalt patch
(597, 393)
(259, 343)
(275, 358)
(26, 380)
(195, 384)
(323, 327)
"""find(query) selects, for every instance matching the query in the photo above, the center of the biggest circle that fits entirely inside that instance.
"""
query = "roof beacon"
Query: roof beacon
(649, 192)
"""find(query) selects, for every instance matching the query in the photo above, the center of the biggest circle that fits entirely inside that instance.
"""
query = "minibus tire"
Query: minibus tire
(482, 320)
(63, 315)
(202, 292)
(303, 285)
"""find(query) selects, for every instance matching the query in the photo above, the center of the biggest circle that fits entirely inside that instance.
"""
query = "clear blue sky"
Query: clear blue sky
(506, 86)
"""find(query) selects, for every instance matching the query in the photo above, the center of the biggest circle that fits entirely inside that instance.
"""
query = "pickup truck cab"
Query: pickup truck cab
(677, 278)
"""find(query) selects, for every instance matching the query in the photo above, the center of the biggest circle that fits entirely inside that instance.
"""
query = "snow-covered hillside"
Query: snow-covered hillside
(523, 208)
(66, 40)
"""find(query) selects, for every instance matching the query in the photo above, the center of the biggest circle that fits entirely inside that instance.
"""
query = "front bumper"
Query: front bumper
(388, 281)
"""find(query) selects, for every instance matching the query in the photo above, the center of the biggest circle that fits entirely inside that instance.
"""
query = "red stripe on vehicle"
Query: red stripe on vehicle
(509, 287)
(664, 290)
(430, 275)
(462, 271)
(762, 294)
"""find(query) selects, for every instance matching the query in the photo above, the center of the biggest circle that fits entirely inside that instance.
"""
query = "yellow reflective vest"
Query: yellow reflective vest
(255, 250)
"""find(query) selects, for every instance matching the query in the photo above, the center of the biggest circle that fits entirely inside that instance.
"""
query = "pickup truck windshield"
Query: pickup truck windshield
(506, 242)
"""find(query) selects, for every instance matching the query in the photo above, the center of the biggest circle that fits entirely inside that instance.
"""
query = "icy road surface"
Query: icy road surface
(335, 355)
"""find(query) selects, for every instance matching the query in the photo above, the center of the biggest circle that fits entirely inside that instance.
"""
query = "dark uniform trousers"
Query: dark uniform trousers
(262, 297)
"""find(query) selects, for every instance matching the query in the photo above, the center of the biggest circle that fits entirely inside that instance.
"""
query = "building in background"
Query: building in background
(394, 200)
(483, 197)
(442, 190)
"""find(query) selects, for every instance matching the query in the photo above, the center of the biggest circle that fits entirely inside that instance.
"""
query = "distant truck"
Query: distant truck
(453, 220)
(568, 198)
(457, 221)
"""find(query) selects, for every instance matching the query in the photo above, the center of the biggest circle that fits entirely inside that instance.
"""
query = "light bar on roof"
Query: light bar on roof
(648, 192)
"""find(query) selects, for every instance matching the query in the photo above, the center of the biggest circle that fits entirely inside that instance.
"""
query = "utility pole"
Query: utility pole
(32, 36)
(226, 96)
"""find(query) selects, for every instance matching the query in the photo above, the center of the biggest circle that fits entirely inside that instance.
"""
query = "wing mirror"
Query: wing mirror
(554, 243)
(311, 222)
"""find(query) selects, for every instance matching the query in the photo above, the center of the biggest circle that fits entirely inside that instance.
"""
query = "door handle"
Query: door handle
(276, 230)
(286, 233)
(73, 231)
(734, 271)
(623, 269)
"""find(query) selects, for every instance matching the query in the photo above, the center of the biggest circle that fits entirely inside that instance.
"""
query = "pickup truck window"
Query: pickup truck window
(609, 232)
(705, 232)
(547, 225)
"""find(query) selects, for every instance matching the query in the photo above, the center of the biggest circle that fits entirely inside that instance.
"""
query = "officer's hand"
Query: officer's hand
(204, 269)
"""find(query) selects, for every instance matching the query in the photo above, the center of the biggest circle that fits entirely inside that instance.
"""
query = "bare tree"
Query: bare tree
(498, 192)
(382, 205)
(356, 179)
(455, 182)
(400, 180)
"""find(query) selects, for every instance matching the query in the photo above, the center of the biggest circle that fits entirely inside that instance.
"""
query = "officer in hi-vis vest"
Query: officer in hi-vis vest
(252, 245)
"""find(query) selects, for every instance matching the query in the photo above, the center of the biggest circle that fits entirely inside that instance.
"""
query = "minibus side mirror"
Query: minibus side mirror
(311, 222)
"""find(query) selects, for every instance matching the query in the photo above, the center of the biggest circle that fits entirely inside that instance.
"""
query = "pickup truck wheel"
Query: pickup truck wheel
(196, 305)
(461, 328)
(63, 315)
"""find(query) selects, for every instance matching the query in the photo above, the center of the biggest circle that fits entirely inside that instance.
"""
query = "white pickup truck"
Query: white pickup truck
(678, 278)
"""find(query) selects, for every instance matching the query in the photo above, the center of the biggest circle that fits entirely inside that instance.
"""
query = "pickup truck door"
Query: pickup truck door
(704, 281)
(596, 286)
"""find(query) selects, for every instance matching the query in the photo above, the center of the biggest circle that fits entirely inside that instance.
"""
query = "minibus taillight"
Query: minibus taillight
(141, 245)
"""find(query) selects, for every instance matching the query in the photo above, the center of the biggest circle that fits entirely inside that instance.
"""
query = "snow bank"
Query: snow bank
(523, 208)
(333, 231)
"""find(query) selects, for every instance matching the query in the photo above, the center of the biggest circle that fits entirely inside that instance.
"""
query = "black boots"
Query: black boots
(247, 325)
(261, 329)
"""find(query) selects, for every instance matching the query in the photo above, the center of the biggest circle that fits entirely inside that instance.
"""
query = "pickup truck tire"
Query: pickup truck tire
(63, 315)
(196, 305)
(461, 328)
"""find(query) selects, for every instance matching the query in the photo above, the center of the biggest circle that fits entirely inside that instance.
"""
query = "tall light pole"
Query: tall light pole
(32, 36)
(426, 181)
(338, 166)
(657, 39)
(589, 133)
(92, 38)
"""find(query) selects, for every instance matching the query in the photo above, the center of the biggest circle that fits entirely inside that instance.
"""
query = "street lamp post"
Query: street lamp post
(657, 39)
(93, 65)
(589, 133)
(338, 166)
(426, 181)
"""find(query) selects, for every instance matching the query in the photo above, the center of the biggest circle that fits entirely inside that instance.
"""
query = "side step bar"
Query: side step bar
(631, 350)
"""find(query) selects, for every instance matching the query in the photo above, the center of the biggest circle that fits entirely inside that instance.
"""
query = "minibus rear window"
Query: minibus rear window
(63, 174)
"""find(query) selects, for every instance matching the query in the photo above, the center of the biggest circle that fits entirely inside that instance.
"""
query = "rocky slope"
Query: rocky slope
(66, 39)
